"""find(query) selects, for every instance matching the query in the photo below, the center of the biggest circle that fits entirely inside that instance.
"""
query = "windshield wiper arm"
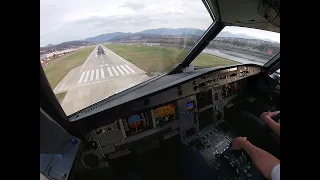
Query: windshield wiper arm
(204, 41)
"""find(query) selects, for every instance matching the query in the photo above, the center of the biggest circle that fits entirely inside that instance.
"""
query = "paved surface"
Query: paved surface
(98, 78)
(235, 56)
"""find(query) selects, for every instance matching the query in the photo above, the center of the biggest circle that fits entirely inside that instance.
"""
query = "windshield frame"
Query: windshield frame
(214, 29)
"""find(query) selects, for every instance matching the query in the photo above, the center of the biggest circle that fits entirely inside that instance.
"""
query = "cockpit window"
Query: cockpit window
(240, 45)
(91, 50)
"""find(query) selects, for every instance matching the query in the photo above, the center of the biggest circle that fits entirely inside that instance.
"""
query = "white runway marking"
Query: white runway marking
(97, 74)
(128, 72)
(110, 72)
(82, 75)
(87, 75)
(102, 72)
(115, 71)
(129, 68)
(91, 76)
(120, 70)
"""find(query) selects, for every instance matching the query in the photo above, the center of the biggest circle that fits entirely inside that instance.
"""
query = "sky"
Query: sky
(66, 20)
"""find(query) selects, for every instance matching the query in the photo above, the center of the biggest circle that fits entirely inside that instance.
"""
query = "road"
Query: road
(98, 78)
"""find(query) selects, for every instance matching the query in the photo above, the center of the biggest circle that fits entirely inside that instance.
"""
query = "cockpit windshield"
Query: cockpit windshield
(240, 45)
(91, 50)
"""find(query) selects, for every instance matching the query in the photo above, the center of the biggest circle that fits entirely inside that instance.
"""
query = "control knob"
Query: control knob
(91, 145)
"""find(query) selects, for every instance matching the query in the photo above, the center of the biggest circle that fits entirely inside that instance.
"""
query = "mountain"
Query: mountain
(62, 46)
(149, 32)
(173, 32)
(228, 34)
(244, 36)
(104, 37)
(49, 45)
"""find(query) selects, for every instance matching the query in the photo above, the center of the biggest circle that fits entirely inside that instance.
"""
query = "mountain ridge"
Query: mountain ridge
(162, 32)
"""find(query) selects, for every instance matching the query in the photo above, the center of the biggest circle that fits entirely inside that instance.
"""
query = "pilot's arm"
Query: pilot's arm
(266, 117)
(268, 165)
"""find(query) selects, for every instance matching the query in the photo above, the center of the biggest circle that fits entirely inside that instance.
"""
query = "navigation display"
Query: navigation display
(137, 123)
(164, 114)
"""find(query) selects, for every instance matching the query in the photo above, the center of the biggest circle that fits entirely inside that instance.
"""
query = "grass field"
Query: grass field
(60, 96)
(57, 71)
(161, 59)
(208, 60)
(148, 58)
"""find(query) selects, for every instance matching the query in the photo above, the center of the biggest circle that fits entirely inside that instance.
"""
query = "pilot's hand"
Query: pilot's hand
(237, 142)
(266, 117)
(274, 114)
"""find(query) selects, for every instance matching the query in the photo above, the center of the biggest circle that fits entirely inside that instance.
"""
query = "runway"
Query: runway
(99, 77)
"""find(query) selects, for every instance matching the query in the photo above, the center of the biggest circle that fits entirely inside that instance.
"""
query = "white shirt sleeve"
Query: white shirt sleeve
(275, 174)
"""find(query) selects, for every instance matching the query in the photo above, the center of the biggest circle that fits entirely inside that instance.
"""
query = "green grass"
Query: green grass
(57, 71)
(161, 59)
(149, 58)
(207, 60)
(60, 96)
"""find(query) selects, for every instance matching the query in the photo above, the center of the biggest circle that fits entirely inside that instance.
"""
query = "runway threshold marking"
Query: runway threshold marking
(115, 71)
(102, 72)
(110, 72)
(81, 77)
(128, 72)
(97, 74)
(129, 68)
(120, 70)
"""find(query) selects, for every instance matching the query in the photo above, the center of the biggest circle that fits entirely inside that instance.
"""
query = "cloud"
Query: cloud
(62, 20)
(134, 6)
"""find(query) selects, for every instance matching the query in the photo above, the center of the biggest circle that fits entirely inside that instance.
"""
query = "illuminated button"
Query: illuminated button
(73, 141)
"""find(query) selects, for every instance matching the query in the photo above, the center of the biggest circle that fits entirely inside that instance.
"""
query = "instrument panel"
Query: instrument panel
(188, 109)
